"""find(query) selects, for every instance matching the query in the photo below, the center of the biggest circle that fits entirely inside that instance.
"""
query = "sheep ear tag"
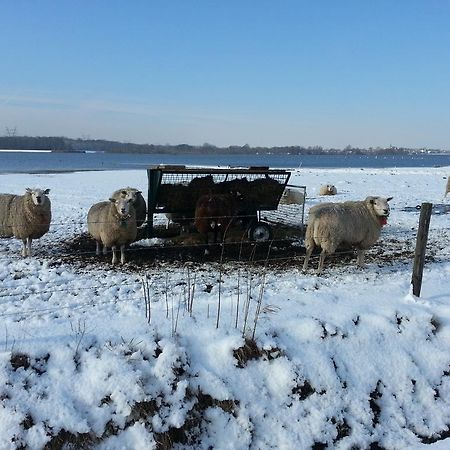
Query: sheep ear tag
(383, 220)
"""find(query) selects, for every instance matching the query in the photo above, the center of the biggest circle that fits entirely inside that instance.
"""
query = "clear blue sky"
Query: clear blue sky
(324, 72)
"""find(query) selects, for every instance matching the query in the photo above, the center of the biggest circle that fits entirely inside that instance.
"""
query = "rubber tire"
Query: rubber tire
(260, 232)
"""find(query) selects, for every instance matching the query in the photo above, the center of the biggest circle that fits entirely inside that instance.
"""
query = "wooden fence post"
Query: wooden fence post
(421, 243)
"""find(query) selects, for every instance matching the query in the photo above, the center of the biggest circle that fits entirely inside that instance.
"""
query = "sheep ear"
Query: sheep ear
(138, 192)
(112, 200)
(47, 191)
(389, 199)
(123, 193)
(29, 190)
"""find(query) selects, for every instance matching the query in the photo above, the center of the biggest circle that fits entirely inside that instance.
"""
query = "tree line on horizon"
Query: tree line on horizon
(63, 144)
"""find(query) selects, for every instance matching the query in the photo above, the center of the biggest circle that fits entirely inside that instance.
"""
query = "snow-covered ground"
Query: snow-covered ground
(350, 359)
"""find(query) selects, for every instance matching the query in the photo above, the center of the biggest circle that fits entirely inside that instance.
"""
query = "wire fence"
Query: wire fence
(84, 223)
(228, 242)
(237, 264)
(19, 290)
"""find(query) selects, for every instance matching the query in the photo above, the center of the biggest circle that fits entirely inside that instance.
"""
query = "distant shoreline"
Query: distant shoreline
(60, 144)
(372, 153)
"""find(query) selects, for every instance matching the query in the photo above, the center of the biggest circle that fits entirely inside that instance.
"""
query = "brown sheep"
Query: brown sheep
(214, 213)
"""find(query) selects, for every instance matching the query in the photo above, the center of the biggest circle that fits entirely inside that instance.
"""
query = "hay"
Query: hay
(180, 198)
(259, 194)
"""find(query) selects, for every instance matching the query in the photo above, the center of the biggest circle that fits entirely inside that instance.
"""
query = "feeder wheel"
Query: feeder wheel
(260, 232)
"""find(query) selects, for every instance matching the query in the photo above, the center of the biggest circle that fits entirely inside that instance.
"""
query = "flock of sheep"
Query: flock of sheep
(111, 223)
(114, 223)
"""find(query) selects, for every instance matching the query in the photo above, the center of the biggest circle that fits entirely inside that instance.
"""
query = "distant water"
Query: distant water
(27, 162)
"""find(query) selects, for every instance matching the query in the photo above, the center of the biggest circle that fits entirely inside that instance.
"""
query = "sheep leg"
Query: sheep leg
(323, 254)
(122, 254)
(29, 240)
(114, 257)
(309, 251)
(105, 250)
(97, 248)
(24, 247)
(360, 257)
(207, 244)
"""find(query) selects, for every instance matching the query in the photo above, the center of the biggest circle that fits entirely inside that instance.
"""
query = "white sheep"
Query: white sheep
(354, 223)
(447, 188)
(25, 217)
(292, 197)
(327, 189)
(111, 224)
(137, 200)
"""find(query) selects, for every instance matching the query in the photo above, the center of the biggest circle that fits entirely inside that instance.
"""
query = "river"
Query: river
(40, 162)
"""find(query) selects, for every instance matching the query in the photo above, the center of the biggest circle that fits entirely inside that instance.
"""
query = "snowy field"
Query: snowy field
(350, 359)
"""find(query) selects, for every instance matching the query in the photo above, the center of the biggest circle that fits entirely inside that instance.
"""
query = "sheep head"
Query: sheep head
(122, 206)
(130, 194)
(38, 196)
(381, 207)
